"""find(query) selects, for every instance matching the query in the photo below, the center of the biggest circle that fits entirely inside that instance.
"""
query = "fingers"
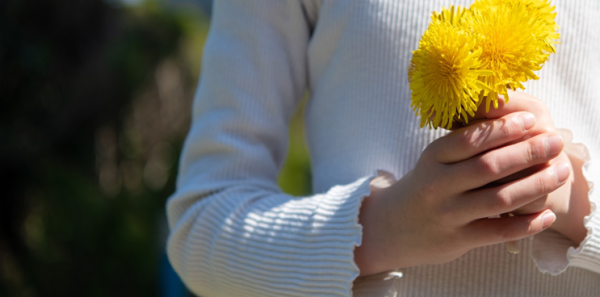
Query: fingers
(530, 191)
(493, 231)
(519, 101)
(502, 162)
(469, 141)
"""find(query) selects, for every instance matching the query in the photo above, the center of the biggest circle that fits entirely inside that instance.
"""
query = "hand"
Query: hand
(570, 202)
(440, 210)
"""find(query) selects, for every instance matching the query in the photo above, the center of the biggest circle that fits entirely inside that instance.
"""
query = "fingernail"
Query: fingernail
(554, 145)
(548, 218)
(562, 172)
(527, 120)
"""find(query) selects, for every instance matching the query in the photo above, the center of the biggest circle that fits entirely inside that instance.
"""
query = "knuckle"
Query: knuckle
(531, 152)
(430, 152)
(542, 185)
(488, 165)
(506, 127)
(502, 202)
(535, 149)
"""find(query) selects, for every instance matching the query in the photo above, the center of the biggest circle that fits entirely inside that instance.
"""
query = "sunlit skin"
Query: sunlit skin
(440, 209)
(508, 159)
(570, 202)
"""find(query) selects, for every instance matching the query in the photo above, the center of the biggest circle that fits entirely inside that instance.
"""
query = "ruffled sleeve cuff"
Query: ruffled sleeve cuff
(238, 243)
(554, 253)
(587, 255)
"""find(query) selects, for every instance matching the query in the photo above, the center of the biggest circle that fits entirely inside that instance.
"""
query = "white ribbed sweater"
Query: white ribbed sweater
(234, 233)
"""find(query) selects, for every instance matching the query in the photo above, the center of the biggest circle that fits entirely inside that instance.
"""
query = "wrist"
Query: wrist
(569, 221)
(367, 256)
(383, 247)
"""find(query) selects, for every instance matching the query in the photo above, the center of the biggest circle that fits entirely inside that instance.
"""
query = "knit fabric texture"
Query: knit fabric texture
(233, 231)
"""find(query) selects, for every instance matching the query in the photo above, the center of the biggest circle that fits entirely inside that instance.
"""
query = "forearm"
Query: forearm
(245, 240)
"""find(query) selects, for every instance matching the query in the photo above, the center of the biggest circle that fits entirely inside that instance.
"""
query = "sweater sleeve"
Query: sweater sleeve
(553, 252)
(587, 254)
(233, 232)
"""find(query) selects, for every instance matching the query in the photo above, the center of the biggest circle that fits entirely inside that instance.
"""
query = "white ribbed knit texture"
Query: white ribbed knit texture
(235, 234)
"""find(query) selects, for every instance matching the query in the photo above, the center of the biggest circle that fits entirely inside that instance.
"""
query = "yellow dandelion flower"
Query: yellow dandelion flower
(452, 15)
(518, 38)
(541, 11)
(444, 74)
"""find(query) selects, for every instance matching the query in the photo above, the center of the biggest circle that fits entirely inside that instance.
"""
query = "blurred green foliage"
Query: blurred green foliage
(295, 177)
(95, 103)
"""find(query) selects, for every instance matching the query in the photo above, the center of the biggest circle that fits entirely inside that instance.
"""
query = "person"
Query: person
(397, 210)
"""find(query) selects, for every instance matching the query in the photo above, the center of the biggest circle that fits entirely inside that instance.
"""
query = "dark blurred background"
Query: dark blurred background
(95, 100)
